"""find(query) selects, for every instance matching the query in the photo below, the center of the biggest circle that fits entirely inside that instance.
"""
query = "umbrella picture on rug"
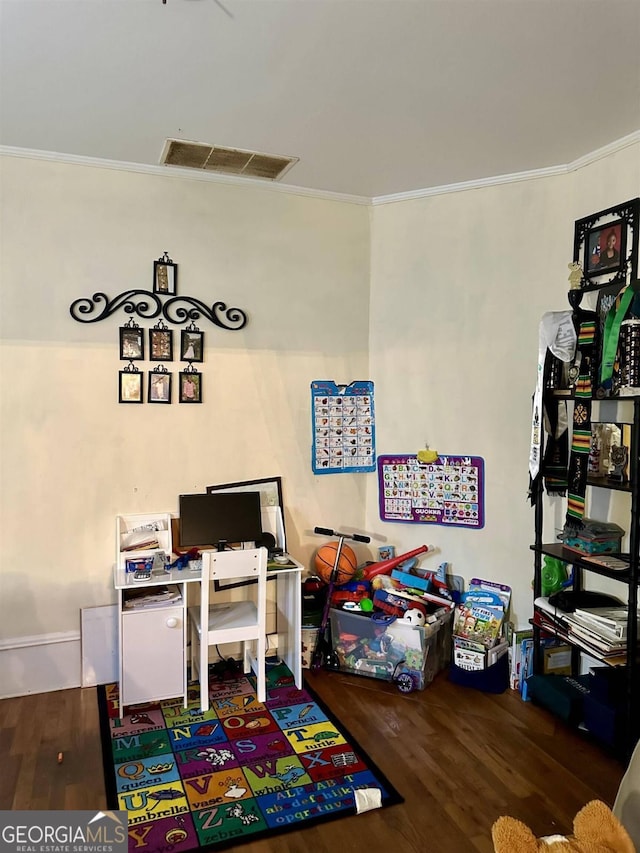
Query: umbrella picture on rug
(240, 771)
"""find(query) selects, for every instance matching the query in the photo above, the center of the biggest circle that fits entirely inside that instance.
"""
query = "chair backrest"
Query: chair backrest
(226, 565)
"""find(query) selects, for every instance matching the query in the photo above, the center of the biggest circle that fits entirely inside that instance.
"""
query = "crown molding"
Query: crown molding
(184, 174)
(463, 186)
(515, 177)
(290, 189)
(605, 151)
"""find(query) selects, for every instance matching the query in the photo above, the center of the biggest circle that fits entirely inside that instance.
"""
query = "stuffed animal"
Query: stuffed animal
(595, 830)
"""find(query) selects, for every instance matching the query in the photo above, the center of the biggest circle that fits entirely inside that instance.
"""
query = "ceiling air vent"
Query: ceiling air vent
(226, 161)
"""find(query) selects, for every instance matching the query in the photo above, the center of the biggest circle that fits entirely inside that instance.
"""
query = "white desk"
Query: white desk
(289, 614)
(152, 643)
(152, 650)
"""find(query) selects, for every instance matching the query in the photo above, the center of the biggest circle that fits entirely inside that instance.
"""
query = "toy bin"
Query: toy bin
(387, 649)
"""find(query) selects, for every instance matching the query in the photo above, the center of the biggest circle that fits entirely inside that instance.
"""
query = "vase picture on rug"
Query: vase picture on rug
(240, 771)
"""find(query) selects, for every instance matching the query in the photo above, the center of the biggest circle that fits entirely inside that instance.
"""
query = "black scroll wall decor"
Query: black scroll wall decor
(161, 302)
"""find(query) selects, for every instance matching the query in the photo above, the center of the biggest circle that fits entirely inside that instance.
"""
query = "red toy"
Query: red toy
(385, 566)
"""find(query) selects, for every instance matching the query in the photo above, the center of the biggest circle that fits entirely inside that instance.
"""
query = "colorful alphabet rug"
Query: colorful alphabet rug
(240, 771)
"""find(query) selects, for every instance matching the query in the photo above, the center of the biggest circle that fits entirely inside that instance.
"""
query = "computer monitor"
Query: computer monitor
(220, 518)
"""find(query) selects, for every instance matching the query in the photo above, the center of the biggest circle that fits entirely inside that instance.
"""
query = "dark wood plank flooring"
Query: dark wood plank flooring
(459, 757)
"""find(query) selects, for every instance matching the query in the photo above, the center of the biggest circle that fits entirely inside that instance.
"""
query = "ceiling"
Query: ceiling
(375, 97)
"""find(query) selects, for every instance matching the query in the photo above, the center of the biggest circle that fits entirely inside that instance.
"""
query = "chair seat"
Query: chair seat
(230, 621)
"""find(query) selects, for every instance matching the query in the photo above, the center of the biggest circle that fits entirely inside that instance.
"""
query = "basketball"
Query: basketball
(326, 558)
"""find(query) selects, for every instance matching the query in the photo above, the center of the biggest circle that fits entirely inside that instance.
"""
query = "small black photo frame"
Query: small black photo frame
(159, 390)
(130, 386)
(190, 386)
(165, 276)
(131, 343)
(160, 345)
(606, 245)
(191, 345)
(605, 248)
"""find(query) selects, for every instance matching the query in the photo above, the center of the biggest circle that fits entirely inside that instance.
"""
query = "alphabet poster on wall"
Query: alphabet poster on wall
(449, 491)
(343, 425)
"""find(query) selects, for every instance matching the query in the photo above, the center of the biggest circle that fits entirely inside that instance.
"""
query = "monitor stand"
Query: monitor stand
(222, 545)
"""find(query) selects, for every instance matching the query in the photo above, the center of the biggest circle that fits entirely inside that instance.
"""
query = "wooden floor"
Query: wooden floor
(459, 757)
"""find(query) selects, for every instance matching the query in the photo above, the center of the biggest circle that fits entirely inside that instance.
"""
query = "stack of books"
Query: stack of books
(601, 631)
(605, 627)
(478, 642)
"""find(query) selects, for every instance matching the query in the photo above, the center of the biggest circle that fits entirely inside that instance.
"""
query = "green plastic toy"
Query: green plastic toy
(553, 575)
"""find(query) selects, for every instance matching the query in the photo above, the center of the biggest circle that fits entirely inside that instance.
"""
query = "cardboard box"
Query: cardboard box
(557, 660)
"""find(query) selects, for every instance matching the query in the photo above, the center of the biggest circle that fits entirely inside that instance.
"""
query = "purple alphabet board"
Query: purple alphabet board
(449, 491)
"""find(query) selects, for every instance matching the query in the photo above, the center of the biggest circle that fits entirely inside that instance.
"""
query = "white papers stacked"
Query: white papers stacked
(152, 597)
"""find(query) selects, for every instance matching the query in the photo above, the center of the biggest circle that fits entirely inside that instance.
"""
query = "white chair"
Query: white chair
(214, 623)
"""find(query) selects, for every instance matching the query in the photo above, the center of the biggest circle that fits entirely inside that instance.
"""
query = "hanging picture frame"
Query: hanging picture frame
(165, 276)
(606, 246)
(131, 342)
(192, 344)
(160, 343)
(159, 387)
(190, 386)
(130, 385)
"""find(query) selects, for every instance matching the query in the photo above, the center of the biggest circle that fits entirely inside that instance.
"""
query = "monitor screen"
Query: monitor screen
(220, 518)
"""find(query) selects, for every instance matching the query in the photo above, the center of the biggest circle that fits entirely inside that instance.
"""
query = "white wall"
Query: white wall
(71, 456)
(437, 300)
(458, 285)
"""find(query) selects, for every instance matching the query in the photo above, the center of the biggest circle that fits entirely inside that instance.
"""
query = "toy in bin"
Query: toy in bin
(391, 649)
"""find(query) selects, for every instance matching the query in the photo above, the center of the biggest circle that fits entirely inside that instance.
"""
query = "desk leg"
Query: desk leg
(120, 654)
(289, 622)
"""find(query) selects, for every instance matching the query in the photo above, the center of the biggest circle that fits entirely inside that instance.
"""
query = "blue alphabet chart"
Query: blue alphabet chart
(449, 491)
(343, 427)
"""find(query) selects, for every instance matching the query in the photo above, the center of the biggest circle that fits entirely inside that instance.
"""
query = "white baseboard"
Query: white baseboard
(40, 664)
(48, 662)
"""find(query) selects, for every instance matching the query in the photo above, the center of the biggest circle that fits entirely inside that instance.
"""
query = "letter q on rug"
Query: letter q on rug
(243, 770)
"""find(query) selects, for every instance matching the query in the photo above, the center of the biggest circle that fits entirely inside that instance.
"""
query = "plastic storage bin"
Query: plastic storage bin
(386, 649)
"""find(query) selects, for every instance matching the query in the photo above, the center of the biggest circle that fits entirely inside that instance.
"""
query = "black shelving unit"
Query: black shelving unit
(627, 410)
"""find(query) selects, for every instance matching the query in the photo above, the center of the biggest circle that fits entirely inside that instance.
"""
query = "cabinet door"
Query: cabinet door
(153, 660)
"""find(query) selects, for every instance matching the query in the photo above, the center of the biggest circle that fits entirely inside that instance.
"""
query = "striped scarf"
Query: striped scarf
(581, 439)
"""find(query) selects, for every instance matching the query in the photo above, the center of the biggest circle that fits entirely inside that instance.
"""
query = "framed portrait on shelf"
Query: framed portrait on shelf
(191, 345)
(131, 343)
(165, 276)
(159, 390)
(130, 386)
(160, 345)
(606, 246)
(190, 386)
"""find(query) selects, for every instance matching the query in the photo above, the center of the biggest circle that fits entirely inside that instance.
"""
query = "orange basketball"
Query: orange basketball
(326, 558)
